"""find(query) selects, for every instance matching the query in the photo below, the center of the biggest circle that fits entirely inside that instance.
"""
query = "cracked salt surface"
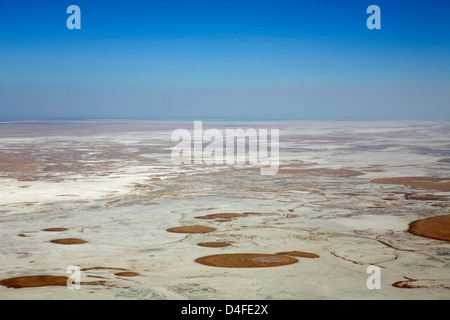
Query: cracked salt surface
(115, 187)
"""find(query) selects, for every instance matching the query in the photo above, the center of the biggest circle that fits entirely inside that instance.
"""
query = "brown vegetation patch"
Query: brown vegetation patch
(17, 162)
(418, 182)
(34, 281)
(246, 260)
(323, 171)
(102, 268)
(127, 274)
(110, 203)
(226, 216)
(299, 254)
(417, 284)
(97, 277)
(55, 229)
(406, 285)
(214, 244)
(220, 216)
(434, 228)
(425, 197)
(98, 283)
(44, 281)
(69, 241)
(191, 229)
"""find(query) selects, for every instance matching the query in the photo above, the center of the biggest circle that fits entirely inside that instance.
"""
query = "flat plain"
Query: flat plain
(104, 195)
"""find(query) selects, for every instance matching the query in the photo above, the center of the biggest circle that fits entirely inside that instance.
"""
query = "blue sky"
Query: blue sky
(228, 59)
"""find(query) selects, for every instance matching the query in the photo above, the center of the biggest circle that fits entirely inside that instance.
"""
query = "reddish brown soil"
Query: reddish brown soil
(221, 216)
(224, 217)
(405, 285)
(299, 254)
(17, 162)
(409, 284)
(246, 260)
(34, 281)
(425, 197)
(127, 274)
(191, 229)
(323, 171)
(214, 244)
(434, 228)
(68, 241)
(103, 268)
(55, 229)
(44, 281)
(418, 182)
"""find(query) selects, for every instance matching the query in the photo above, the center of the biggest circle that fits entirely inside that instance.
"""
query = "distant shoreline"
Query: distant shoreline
(43, 120)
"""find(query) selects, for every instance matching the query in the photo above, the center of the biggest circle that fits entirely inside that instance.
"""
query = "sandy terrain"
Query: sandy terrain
(105, 196)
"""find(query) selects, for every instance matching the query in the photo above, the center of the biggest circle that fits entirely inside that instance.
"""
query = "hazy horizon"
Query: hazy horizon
(233, 60)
